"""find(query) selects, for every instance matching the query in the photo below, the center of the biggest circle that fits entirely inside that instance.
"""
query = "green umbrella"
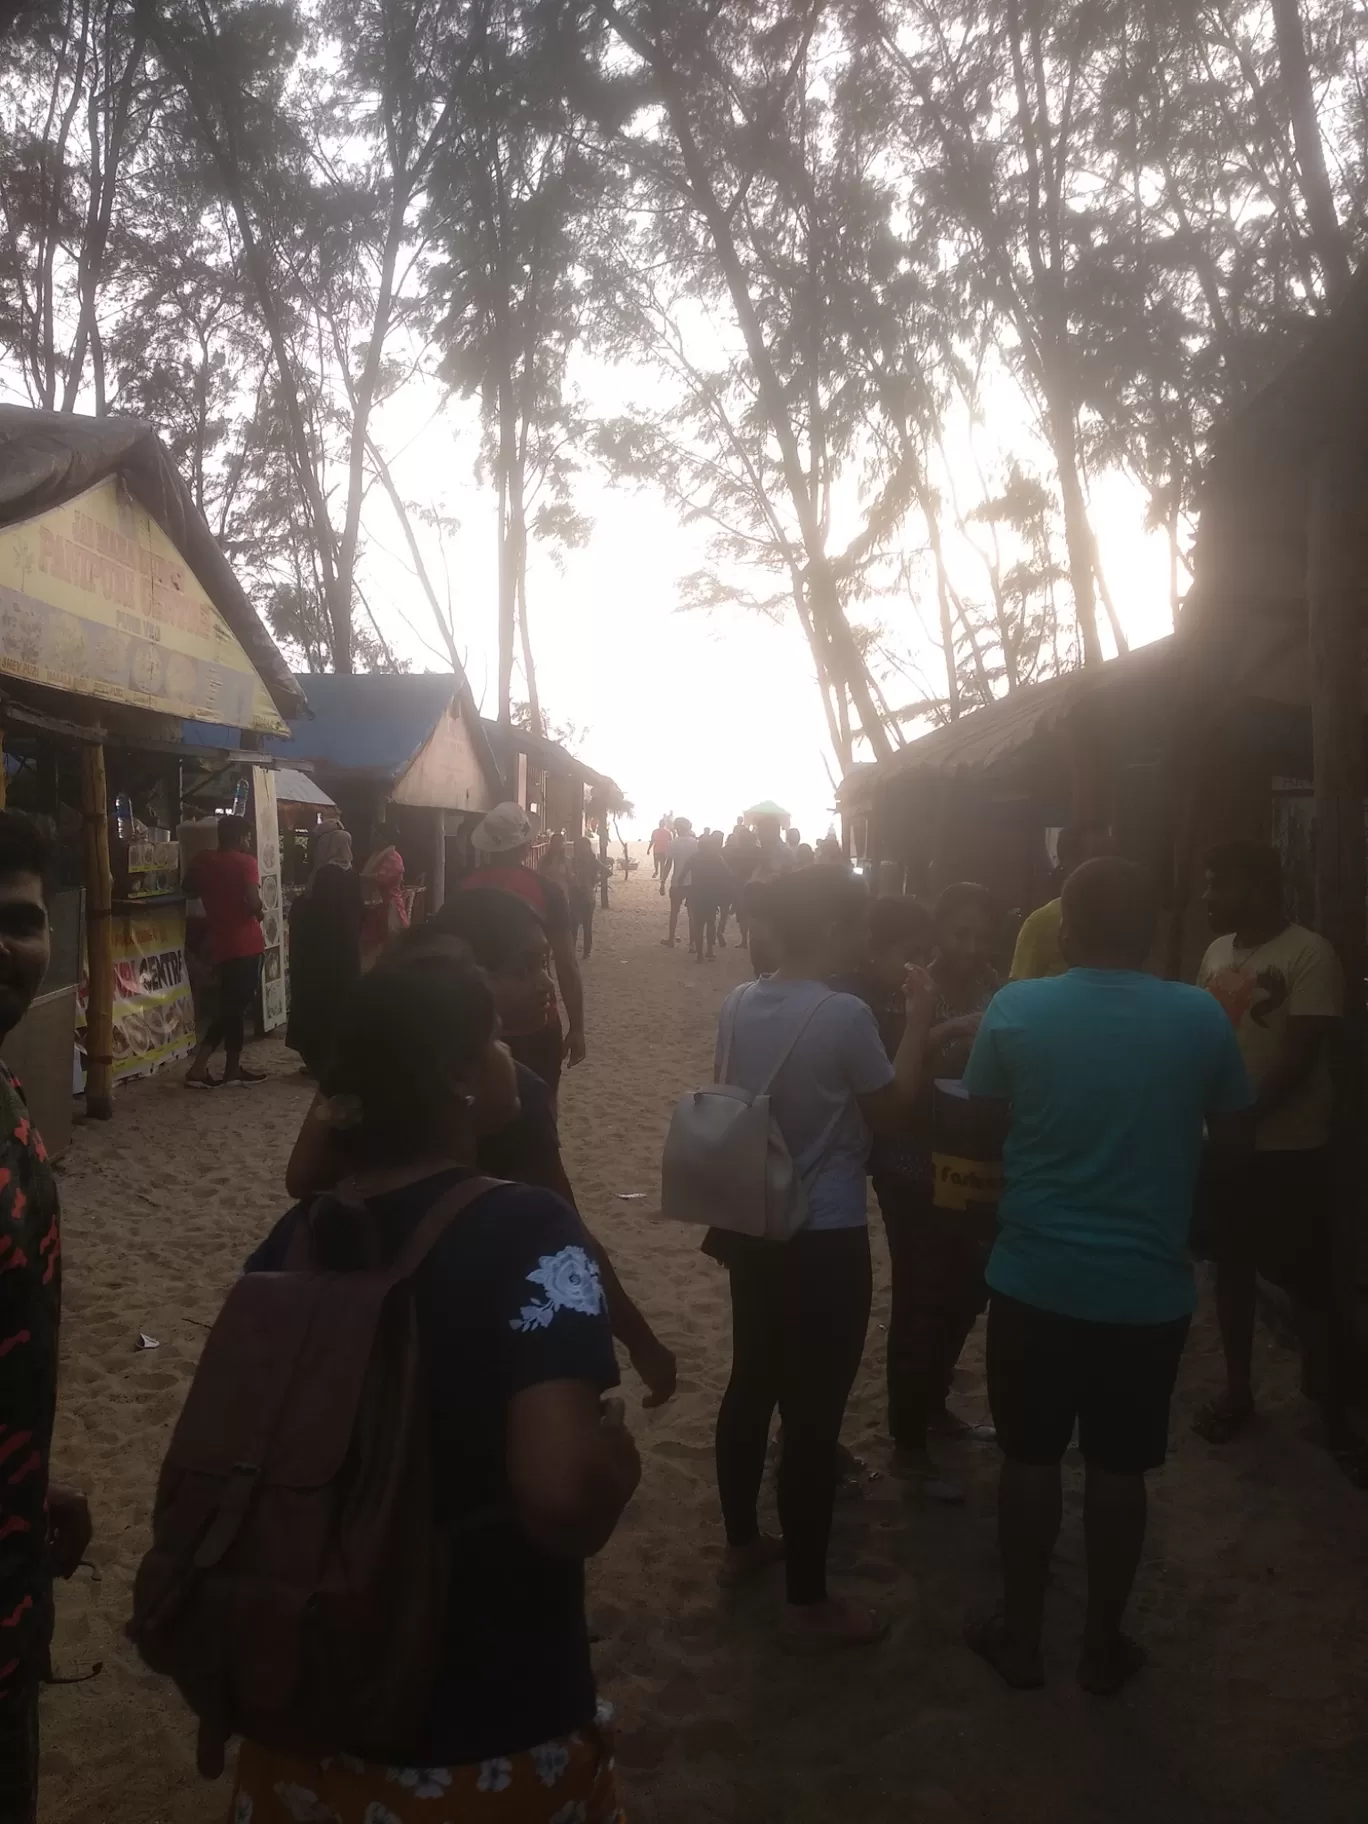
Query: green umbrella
(768, 809)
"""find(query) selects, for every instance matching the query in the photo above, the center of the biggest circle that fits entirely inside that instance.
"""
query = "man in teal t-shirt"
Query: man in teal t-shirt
(1104, 1078)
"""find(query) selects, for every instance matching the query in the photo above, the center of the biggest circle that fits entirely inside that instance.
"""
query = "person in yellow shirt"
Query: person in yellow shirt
(1282, 988)
(1038, 952)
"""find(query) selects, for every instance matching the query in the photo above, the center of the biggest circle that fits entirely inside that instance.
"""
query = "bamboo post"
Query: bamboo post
(99, 937)
(1335, 601)
(436, 898)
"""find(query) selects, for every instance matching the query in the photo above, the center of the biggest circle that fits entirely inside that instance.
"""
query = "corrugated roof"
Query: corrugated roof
(48, 458)
(294, 787)
(374, 724)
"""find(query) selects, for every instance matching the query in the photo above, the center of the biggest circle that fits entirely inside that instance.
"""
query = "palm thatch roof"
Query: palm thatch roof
(48, 458)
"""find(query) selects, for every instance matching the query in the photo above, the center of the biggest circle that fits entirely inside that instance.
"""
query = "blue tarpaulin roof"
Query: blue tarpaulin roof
(374, 724)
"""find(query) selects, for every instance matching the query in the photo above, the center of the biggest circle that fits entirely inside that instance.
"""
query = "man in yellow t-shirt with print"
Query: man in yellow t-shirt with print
(1283, 990)
(1038, 952)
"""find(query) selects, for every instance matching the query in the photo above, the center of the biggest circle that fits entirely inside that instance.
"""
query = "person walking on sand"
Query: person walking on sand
(533, 1468)
(679, 861)
(325, 948)
(1101, 1080)
(800, 1308)
(504, 842)
(44, 1528)
(1282, 989)
(710, 889)
(587, 874)
(227, 882)
(661, 838)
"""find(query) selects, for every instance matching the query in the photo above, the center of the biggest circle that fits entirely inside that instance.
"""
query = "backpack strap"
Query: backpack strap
(724, 1070)
(788, 1050)
(427, 1231)
(434, 1223)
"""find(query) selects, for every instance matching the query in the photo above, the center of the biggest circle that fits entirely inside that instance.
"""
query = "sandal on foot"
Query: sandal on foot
(1103, 1670)
(1019, 1667)
(1219, 1421)
(842, 1625)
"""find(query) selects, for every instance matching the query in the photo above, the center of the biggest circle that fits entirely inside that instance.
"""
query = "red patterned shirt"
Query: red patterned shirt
(30, 1315)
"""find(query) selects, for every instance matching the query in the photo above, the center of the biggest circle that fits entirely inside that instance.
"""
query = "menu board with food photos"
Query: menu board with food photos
(273, 917)
(95, 598)
(154, 1012)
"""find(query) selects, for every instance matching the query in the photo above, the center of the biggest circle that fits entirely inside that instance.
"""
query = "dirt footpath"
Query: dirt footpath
(1253, 1597)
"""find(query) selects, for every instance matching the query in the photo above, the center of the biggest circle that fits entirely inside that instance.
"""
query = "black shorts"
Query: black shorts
(1271, 1212)
(1047, 1372)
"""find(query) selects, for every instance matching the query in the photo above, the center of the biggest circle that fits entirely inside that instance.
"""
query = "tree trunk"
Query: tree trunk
(947, 619)
(1326, 235)
(534, 713)
(508, 571)
(1078, 533)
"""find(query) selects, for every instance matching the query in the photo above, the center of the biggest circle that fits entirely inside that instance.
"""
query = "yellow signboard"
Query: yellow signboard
(94, 598)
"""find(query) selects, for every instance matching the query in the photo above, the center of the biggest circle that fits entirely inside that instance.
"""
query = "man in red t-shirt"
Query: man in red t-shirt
(503, 842)
(226, 881)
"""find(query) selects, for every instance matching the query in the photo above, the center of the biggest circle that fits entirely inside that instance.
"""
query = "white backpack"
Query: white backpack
(726, 1165)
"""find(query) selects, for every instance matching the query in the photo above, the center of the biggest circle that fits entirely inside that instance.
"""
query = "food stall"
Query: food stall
(120, 624)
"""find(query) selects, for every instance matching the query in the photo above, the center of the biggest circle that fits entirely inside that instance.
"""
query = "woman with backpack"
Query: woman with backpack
(507, 939)
(800, 1307)
(531, 1468)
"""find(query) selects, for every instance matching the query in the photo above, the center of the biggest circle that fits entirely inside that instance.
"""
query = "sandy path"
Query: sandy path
(1252, 1597)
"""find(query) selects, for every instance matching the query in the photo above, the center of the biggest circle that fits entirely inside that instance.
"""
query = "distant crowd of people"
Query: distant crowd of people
(400, 1446)
(707, 876)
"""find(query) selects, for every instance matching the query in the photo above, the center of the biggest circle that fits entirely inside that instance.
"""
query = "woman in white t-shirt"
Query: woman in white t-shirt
(800, 1308)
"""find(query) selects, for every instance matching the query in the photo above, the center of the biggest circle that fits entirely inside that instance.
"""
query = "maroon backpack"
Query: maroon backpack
(295, 1589)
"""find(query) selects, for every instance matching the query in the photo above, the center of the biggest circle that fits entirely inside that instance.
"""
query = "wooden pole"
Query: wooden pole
(99, 886)
(4, 783)
(436, 898)
(1335, 602)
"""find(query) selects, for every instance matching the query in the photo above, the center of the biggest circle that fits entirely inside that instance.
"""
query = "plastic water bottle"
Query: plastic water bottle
(123, 816)
(240, 799)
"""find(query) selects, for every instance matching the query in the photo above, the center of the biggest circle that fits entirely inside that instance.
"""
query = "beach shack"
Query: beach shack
(550, 783)
(121, 624)
(406, 759)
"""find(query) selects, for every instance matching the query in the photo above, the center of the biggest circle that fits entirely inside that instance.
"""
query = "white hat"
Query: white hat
(506, 828)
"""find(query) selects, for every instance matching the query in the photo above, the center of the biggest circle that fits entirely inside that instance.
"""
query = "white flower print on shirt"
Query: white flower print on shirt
(550, 1761)
(242, 1810)
(376, 1813)
(571, 1283)
(495, 1776)
(304, 1806)
(422, 1782)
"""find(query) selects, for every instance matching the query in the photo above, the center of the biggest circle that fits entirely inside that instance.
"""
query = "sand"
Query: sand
(1251, 1597)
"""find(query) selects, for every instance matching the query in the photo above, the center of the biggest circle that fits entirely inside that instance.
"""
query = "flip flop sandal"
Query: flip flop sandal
(1218, 1422)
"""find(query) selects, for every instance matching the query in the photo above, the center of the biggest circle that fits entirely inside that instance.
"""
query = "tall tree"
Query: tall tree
(516, 198)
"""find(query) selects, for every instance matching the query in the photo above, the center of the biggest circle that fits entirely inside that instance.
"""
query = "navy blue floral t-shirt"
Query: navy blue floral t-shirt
(508, 1298)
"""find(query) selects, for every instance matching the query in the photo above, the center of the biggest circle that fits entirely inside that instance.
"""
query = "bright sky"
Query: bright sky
(699, 714)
